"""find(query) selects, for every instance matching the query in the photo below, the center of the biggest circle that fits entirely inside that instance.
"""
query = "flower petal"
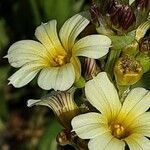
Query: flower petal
(71, 29)
(46, 33)
(26, 51)
(136, 103)
(89, 125)
(58, 78)
(102, 94)
(59, 102)
(92, 46)
(141, 125)
(106, 142)
(137, 142)
(25, 74)
(77, 66)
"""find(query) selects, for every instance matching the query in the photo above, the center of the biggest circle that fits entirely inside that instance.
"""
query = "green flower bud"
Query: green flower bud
(80, 83)
(131, 49)
(144, 61)
(127, 71)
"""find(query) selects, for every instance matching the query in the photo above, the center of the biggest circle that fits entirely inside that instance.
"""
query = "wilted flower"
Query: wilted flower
(127, 70)
(62, 104)
(142, 29)
(117, 124)
(56, 59)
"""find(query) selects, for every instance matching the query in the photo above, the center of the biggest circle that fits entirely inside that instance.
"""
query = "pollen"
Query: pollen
(59, 60)
(118, 131)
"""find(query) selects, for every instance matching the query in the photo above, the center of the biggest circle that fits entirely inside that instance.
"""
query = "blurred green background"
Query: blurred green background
(23, 128)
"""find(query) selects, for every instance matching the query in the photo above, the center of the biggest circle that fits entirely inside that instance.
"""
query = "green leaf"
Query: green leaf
(144, 82)
(48, 140)
(4, 39)
(144, 61)
(3, 77)
(80, 83)
(119, 42)
(59, 9)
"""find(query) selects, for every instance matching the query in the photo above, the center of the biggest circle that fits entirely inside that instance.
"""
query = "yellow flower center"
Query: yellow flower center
(59, 60)
(118, 131)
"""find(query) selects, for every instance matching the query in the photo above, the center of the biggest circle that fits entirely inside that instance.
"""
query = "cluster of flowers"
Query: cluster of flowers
(112, 115)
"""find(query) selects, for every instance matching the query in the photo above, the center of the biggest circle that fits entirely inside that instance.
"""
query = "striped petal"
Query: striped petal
(136, 103)
(137, 142)
(59, 102)
(71, 29)
(57, 78)
(92, 46)
(25, 74)
(106, 142)
(26, 51)
(102, 94)
(46, 33)
(89, 125)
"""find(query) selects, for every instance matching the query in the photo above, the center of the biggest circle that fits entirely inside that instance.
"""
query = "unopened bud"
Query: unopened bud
(142, 4)
(127, 71)
(63, 138)
(131, 49)
(144, 45)
(90, 68)
(121, 16)
(95, 14)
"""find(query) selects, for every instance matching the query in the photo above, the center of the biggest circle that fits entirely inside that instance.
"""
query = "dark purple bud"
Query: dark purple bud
(95, 14)
(144, 45)
(143, 4)
(121, 16)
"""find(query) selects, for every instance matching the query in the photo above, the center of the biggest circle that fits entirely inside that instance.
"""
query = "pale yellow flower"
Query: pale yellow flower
(117, 124)
(55, 57)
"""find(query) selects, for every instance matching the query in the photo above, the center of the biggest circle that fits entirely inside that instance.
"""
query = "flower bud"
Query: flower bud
(90, 68)
(121, 16)
(131, 49)
(62, 104)
(144, 55)
(144, 45)
(144, 61)
(99, 21)
(95, 14)
(63, 138)
(142, 4)
(127, 71)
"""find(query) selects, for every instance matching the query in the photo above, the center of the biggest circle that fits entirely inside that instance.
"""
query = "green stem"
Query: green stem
(123, 91)
(35, 11)
(113, 56)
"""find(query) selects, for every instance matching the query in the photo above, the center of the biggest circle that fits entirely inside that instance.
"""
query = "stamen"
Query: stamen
(118, 131)
(59, 60)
